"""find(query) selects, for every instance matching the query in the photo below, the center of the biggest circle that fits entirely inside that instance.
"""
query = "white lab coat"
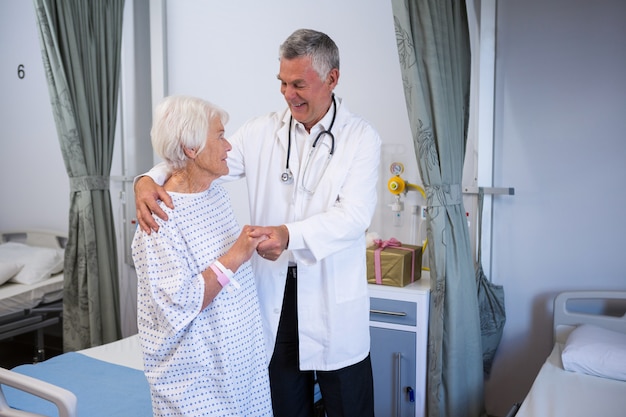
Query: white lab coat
(326, 231)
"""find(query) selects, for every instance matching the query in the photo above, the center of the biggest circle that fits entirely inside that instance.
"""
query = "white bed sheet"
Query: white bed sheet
(125, 352)
(18, 297)
(560, 393)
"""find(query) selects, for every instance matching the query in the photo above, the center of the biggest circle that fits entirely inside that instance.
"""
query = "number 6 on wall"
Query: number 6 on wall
(20, 72)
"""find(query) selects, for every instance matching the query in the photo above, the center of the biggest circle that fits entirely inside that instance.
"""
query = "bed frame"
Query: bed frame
(64, 400)
(566, 316)
(606, 309)
(40, 317)
(43, 238)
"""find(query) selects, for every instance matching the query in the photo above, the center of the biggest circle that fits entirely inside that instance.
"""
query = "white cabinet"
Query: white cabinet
(399, 342)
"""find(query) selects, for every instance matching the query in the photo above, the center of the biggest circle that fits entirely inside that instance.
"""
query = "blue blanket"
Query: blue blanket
(103, 389)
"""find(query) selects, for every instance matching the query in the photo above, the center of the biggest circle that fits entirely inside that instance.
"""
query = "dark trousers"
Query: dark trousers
(345, 392)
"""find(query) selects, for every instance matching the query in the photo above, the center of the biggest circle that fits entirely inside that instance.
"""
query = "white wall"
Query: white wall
(560, 141)
(33, 183)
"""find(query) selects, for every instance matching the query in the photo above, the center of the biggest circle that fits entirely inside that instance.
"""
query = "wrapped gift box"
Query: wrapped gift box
(400, 264)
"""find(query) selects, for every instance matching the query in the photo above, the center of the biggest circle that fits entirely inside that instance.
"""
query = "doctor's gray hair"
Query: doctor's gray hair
(182, 122)
(319, 46)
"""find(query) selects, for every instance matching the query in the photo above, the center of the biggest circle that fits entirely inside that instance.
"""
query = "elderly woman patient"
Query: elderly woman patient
(198, 313)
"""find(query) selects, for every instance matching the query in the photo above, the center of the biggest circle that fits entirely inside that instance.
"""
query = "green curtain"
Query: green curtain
(433, 46)
(81, 43)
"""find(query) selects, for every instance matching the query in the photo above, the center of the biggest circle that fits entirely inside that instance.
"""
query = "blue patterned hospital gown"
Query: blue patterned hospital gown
(198, 363)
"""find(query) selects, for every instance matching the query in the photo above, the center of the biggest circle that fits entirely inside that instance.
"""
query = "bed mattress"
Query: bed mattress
(18, 297)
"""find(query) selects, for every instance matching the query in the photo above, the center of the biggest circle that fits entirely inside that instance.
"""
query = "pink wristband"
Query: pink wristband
(221, 277)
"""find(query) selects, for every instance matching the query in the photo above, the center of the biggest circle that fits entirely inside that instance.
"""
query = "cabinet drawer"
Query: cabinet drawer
(393, 311)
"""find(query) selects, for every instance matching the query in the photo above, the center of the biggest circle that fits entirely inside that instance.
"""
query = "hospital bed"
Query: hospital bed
(103, 381)
(31, 283)
(585, 374)
(106, 380)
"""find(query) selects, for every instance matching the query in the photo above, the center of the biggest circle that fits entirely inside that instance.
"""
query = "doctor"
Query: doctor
(311, 172)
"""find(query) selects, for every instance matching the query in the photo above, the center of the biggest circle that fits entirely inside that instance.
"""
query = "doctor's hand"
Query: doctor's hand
(147, 195)
(276, 242)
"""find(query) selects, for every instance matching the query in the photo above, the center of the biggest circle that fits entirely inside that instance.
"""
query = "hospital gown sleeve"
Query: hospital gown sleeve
(170, 289)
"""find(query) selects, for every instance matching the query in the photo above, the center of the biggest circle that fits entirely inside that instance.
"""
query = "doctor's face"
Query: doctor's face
(307, 96)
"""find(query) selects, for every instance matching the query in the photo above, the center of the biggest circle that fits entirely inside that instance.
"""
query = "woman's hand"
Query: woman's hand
(243, 248)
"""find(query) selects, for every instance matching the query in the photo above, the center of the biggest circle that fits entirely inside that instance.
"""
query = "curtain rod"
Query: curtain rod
(489, 190)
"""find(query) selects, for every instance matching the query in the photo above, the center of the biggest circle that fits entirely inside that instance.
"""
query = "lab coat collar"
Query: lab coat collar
(283, 131)
(319, 126)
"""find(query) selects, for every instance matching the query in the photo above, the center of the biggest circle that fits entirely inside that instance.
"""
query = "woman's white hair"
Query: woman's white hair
(182, 122)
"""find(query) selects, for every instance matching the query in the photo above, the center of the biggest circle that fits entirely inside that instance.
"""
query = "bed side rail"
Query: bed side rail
(64, 400)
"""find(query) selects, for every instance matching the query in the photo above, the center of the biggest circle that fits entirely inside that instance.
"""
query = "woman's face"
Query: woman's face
(212, 159)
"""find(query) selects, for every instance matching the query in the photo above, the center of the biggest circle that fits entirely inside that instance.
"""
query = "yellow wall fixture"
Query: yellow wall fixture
(396, 185)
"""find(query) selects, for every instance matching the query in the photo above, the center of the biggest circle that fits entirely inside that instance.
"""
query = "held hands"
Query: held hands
(276, 242)
(245, 245)
(147, 195)
(242, 249)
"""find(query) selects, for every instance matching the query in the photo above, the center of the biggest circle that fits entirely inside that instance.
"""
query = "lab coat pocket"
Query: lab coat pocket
(349, 277)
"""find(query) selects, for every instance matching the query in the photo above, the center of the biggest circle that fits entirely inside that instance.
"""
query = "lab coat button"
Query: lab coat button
(277, 311)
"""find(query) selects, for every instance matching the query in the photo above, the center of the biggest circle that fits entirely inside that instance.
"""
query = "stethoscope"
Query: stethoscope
(287, 176)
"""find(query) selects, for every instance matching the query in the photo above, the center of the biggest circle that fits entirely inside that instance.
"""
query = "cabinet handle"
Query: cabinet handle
(389, 313)
(398, 384)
